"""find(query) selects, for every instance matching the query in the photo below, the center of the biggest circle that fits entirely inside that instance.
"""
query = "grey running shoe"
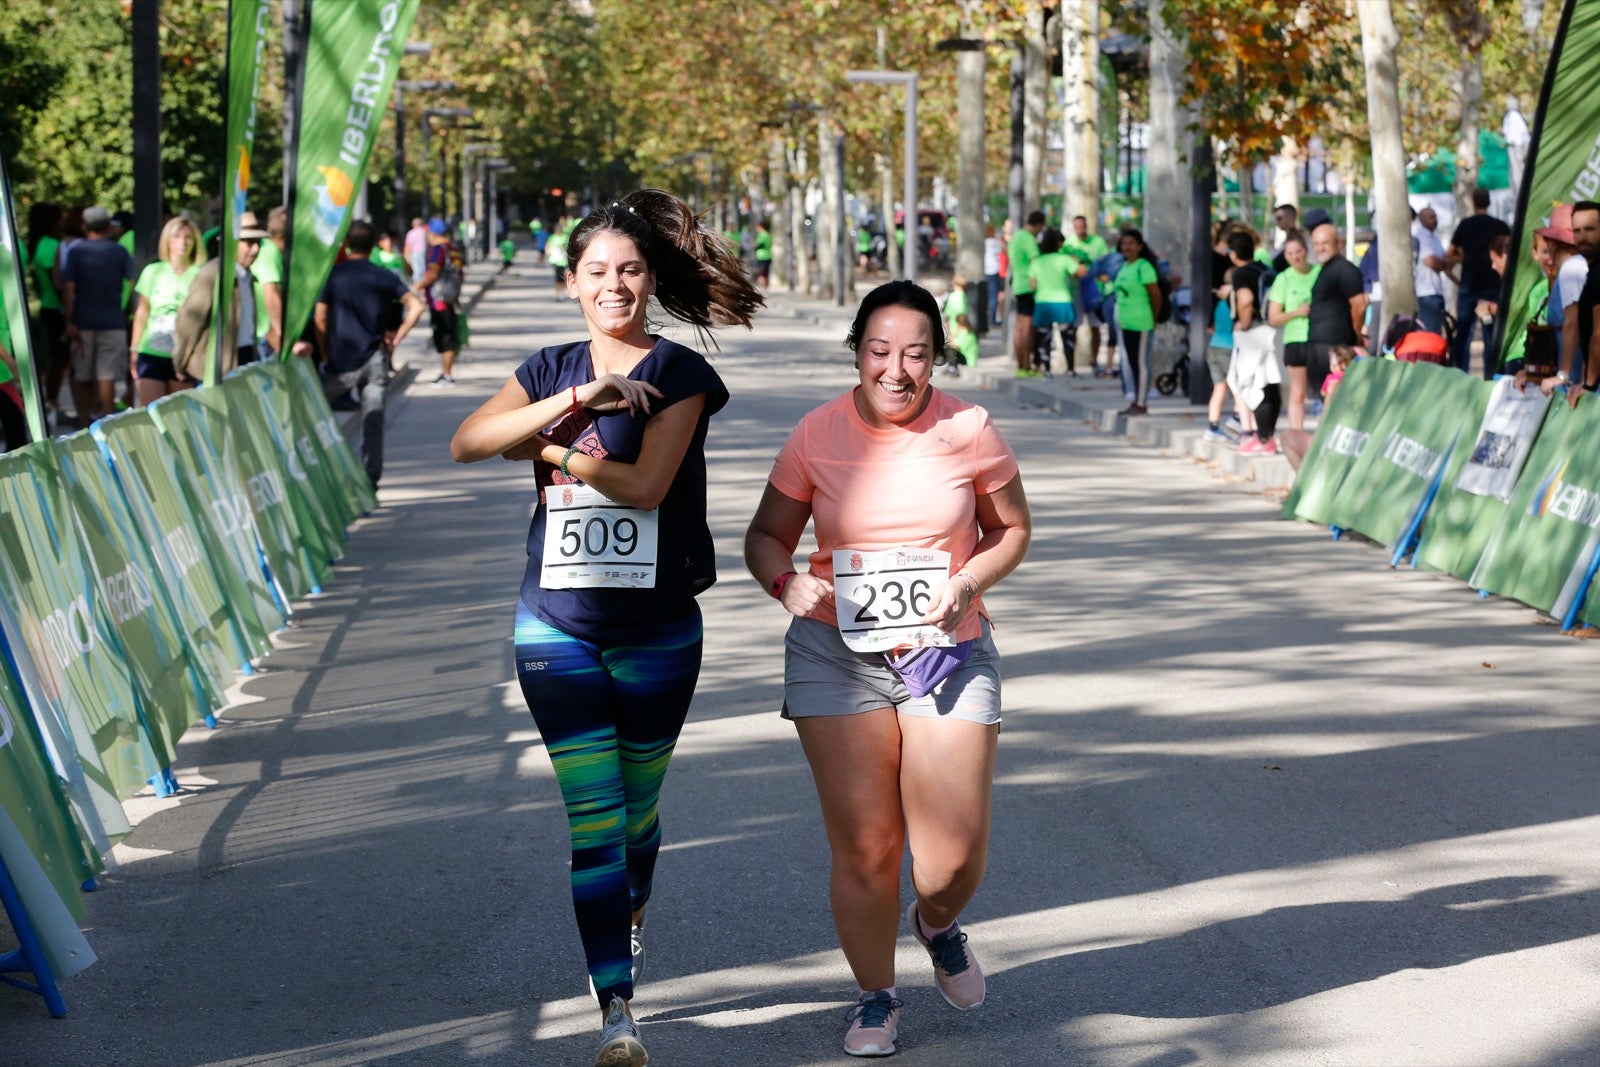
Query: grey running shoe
(873, 1023)
(638, 952)
(956, 972)
(619, 1039)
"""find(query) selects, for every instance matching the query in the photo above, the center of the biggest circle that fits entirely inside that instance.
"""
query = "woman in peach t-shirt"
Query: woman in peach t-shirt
(919, 496)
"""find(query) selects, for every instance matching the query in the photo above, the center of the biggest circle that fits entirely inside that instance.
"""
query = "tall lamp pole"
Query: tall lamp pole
(402, 87)
(469, 200)
(909, 80)
(427, 137)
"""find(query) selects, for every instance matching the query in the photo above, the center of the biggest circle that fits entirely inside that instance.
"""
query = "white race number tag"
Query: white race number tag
(591, 541)
(160, 333)
(880, 597)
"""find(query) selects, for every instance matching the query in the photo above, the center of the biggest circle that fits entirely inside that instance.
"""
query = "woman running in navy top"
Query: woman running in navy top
(608, 634)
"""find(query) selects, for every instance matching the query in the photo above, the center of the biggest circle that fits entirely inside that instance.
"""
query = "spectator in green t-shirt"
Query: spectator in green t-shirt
(1054, 276)
(1022, 251)
(763, 254)
(44, 244)
(1138, 292)
(1088, 248)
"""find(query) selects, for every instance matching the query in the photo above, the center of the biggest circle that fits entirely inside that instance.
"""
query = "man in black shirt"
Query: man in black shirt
(1586, 235)
(1469, 249)
(350, 318)
(1338, 309)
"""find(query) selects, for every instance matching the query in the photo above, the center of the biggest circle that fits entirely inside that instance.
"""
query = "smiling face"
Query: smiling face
(612, 283)
(895, 359)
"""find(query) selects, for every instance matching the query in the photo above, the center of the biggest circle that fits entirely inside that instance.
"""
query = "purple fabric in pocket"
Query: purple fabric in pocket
(922, 669)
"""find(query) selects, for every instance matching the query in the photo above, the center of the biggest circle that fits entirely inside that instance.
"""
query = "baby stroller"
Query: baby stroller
(1177, 377)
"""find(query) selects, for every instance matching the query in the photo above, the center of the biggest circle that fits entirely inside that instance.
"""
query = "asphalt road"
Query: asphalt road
(1260, 800)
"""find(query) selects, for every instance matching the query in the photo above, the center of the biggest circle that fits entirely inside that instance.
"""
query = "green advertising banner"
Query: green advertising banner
(79, 688)
(215, 490)
(323, 502)
(249, 22)
(1358, 411)
(151, 480)
(352, 57)
(1473, 499)
(357, 487)
(1540, 553)
(288, 532)
(31, 794)
(173, 691)
(1563, 163)
(1438, 409)
(16, 341)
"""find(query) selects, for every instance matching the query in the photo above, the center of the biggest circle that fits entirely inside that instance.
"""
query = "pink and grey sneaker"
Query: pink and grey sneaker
(873, 1024)
(1269, 447)
(957, 973)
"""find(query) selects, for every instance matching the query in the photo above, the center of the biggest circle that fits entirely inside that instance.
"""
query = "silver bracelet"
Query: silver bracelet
(970, 582)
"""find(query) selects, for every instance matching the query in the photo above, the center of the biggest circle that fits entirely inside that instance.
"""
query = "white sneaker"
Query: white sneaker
(619, 1039)
(444, 381)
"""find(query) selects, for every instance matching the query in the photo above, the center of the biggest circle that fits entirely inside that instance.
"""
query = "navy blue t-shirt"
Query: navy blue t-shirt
(359, 294)
(98, 268)
(686, 558)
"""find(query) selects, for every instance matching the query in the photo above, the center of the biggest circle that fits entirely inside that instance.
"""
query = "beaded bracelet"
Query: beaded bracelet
(570, 450)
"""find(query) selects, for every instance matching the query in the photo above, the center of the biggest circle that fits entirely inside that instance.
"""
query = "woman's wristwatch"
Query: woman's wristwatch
(776, 588)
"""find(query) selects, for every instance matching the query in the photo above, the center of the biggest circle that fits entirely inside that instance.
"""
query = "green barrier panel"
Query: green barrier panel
(78, 687)
(31, 794)
(289, 530)
(195, 425)
(147, 469)
(1472, 501)
(1437, 409)
(163, 655)
(300, 449)
(322, 536)
(1358, 412)
(1541, 551)
(353, 481)
(320, 465)
(1589, 614)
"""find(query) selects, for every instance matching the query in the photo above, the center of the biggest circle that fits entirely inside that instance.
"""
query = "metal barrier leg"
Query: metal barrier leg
(29, 957)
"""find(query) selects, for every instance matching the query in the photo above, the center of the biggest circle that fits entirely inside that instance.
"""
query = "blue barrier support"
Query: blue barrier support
(29, 956)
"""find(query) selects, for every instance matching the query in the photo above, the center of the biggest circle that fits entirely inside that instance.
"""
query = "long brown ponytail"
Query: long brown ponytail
(699, 278)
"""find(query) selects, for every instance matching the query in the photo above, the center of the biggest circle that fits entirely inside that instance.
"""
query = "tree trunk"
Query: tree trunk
(1469, 90)
(1167, 190)
(825, 220)
(1379, 45)
(969, 183)
(1036, 88)
(891, 253)
(1080, 70)
(778, 226)
(798, 171)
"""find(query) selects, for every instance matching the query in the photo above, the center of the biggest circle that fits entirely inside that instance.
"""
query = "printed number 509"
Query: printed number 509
(593, 536)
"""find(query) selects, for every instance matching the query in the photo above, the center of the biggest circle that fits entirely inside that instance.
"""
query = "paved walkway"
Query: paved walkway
(1260, 800)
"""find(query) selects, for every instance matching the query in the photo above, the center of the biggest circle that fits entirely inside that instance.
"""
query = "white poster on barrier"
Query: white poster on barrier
(1510, 423)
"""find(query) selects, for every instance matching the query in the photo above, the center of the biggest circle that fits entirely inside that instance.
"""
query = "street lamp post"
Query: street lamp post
(427, 136)
(494, 168)
(909, 80)
(469, 201)
(400, 89)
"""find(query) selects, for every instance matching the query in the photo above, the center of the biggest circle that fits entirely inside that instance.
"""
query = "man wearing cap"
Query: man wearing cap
(441, 283)
(350, 319)
(192, 337)
(91, 300)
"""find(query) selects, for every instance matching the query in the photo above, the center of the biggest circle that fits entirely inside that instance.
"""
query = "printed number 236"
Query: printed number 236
(898, 601)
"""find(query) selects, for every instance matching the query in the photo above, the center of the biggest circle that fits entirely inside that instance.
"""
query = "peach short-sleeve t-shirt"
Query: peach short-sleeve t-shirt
(915, 486)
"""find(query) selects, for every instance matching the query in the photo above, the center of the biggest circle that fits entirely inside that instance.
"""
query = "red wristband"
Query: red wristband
(776, 589)
(576, 407)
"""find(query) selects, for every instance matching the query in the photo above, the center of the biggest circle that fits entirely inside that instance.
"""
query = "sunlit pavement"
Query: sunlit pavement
(1260, 799)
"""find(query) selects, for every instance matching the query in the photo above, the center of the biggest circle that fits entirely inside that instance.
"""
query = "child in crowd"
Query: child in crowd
(508, 252)
(962, 347)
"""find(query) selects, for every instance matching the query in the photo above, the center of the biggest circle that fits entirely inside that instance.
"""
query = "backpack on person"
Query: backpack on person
(447, 287)
(1164, 283)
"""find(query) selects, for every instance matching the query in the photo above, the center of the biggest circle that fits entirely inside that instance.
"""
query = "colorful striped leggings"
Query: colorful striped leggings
(610, 717)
